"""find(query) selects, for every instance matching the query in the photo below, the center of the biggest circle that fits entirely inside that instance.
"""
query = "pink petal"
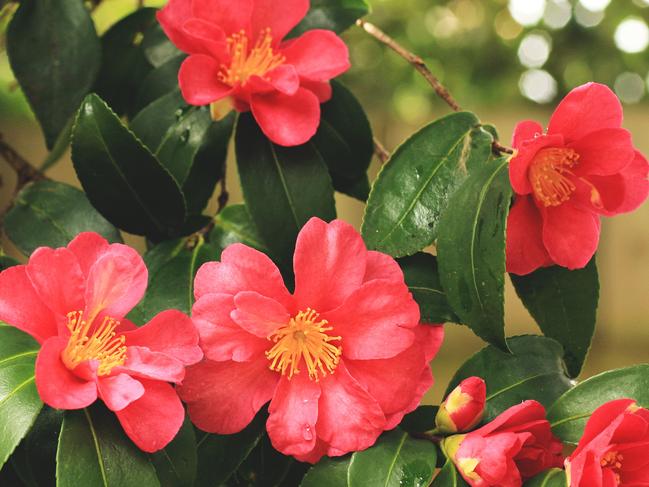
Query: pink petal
(376, 321)
(116, 282)
(293, 415)
(525, 131)
(242, 269)
(329, 262)
(206, 38)
(119, 391)
(382, 266)
(603, 419)
(431, 337)
(318, 55)
(230, 16)
(87, 247)
(223, 397)
(322, 90)
(570, 235)
(221, 338)
(142, 362)
(283, 78)
(21, 307)
(57, 278)
(349, 419)
(153, 421)
(171, 18)
(636, 184)
(170, 332)
(287, 120)
(56, 384)
(524, 157)
(604, 152)
(319, 450)
(515, 416)
(198, 80)
(279, 17)
(524, 247)
(258, 314)
(585, 109)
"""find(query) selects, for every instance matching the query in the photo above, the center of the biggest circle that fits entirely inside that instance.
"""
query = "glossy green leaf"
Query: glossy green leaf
(471, 250)
(9, 476)
(159, 82)
(414, 186)
(158, 49)
(6, 262)
(48, 213)
(283, 187)
(336, 15)
(55, 54)
(265, 466)
(448, 476)
(94, 452)
(19, 400)
(234, 225)
(422, 277)
(564, 304)
(533, 370)
(551, 478)
(121, 177)
(571, 411)
(176, 463)
(60, 146)
(420, 420)
(328, 472)
(344, 140)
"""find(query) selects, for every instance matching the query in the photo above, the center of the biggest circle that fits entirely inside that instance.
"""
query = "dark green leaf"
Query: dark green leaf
(336, 15)
(344, 140)
(570, 412)
(176, 463)
(60, 146)
(534, 370)
(159, 82)
(158, 49)
(283, 187)
(471, 250)
(6, 262)
(551, 478)
(124, 63)
(19, 400)
(448, 476)
(414, 186)
(328, 472)
(564, 304)
(234, 225)
(420, 420)
(122, 179)
(266, 467)
(55, 54)
(396, 460)
(9, 476)
(94, 451)
(47, 213)
(422, 278)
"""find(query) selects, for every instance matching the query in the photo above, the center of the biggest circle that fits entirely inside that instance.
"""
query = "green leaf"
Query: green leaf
(266, 467)
(6, 262)
(422, 277)
(187, 143)
(122, 179)
(283, 187)
(533, 370)
(551, 478)
(564, 304)
(414, 186)
(94, 451)
(336, 15)
(158, 49)
(328, 472)
(471, 250)
(448, 476)
(124, 64)
(176, 463)
(19, 399)
(159, 82)
(234, 225)
(344, 140)
(571, 411)
(60, 146)
(396, 460)
(47, 213)
(420, 420)
(55, 54)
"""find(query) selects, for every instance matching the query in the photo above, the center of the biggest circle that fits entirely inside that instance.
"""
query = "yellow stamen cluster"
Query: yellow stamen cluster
(246, 61)
(548, 175)
(304, 337)
(101, 345)
(613, 460)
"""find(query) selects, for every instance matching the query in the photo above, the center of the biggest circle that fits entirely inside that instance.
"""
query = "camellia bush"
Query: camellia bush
(272, 344)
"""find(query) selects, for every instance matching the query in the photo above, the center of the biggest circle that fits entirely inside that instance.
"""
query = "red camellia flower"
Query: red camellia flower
(614, 450)
(463, 407)
(341, 359)
(239, 59)
(514, 447)
(583, 167)
(72, 300)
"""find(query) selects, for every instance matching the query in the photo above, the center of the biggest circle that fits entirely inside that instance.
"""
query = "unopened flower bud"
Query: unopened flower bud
(463, 407)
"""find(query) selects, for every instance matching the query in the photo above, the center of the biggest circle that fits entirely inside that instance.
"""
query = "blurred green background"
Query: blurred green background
(505, 60)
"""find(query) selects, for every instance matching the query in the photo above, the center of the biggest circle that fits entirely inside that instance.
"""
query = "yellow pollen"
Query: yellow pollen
(102, 345)
(613, 460)
(548, 175)
(249, 61)
(304, 337)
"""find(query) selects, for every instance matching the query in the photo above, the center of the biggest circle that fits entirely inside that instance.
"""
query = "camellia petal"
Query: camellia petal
(279, 17)
(119, 391)
(258, 314)
(318, 55)
(231, 16)
(525, 131)
(198, 80)
(87, 247)
(524, 246)
(382, 266)
(604, 152)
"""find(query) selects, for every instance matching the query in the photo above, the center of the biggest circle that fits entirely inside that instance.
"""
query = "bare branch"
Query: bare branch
(380, 151)
(24, 170)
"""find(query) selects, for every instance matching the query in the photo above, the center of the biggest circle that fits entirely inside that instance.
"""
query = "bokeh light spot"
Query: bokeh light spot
(527, 12)
(629, 87)
(557, 14)
(538, 85)
(595, 5)
(632, 35)
(534, 50)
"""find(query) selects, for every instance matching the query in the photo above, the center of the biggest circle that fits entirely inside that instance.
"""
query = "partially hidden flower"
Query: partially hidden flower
(73, 300)
(239, 58)
(341, 359)
(514, 447)
(463, 407)
(585, 166)
(614, 450)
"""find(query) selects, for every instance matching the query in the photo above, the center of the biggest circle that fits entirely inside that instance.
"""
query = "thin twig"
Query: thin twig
(428, 436)
(140, 4)
(224, 196)
(380, 151)
(24, 170)
(498, 148)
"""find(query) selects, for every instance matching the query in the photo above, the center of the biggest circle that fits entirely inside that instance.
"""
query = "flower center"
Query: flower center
(304, 337)
(247, 61)
(613, 460)
(548, 175)
(101, 345)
